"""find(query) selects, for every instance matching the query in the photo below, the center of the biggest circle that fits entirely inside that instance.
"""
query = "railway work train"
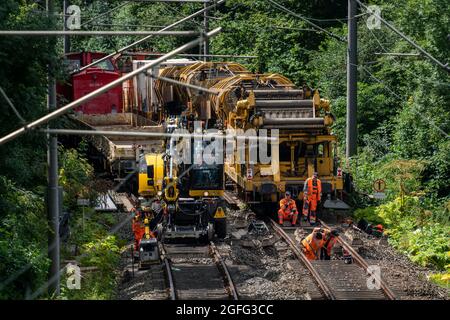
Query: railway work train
(246, 104)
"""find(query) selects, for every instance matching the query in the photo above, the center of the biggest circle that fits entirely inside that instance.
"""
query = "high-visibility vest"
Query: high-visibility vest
(314, 187)
(328, 241)
(313, 244)
(291, 204)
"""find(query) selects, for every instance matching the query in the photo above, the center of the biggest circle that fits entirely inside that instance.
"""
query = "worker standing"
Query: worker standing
(288, 209)
(312, 244)
(138, 228)
(329, 240)
(312, 193)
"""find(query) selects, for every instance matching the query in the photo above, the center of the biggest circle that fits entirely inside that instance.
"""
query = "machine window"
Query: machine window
(142, 165)
(320, 150)
(105, 65)
(72, 64)
(150, 171)
(206, 178)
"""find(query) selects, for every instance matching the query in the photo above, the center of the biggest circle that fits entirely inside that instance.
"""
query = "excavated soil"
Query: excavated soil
(270, 272)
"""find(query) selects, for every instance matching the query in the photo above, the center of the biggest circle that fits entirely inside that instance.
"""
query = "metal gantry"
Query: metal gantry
(176, 23)
(31, 33)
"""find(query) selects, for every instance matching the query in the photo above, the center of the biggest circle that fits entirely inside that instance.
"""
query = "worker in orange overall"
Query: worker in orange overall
(138, 228)
(328, 241)
(312, 244)
(312, 193)
(288, 209)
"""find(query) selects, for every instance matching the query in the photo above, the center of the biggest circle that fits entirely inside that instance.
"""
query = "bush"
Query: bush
(413, 232)
(368, 214)
(23, 241)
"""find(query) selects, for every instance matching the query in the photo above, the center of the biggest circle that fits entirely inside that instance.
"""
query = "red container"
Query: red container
(92, 79)
(89, 80)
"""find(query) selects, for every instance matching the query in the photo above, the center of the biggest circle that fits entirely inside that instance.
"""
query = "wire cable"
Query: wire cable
(105, 13)
(279, 6)
(402, 98)
(22, 120)
(383, 48)
(337, 19)
(446, 67)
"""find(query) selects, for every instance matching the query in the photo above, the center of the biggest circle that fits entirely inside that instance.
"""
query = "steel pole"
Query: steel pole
(64, 33)
(59, 112)
(352, 78)
(66, 4)
(52, 189)
(205, 30)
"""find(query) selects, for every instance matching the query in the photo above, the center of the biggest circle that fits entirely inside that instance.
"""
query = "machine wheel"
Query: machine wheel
(159, 231)
(221, 228)
(210, 231)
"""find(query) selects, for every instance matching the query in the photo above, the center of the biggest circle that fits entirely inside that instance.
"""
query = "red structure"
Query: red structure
(91, 79)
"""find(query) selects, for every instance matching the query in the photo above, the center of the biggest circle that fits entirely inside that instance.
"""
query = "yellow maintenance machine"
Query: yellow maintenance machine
(151, 174)
(248, 105)
(191, 192)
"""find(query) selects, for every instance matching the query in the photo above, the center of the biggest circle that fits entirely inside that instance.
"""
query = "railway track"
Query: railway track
(336, 279)
(197, 273)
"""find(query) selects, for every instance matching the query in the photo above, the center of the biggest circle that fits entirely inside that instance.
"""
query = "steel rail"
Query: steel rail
(172, 291)
(300, 256)
(229, 279)
(360, 260)
(59, 112)
(168, 269)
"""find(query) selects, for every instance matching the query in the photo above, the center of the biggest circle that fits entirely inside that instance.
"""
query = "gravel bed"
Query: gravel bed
(408, 280)
(270, 272)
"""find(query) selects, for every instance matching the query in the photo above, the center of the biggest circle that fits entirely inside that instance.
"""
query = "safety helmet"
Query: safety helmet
(287, 193)
(316, 174)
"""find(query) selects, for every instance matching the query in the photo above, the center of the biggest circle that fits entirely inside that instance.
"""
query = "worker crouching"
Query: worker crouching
(329, 240)
(288, 210)
(319, 243)
(312, 244)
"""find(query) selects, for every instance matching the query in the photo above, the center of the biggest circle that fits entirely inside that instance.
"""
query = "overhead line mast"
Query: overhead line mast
(352, 81)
